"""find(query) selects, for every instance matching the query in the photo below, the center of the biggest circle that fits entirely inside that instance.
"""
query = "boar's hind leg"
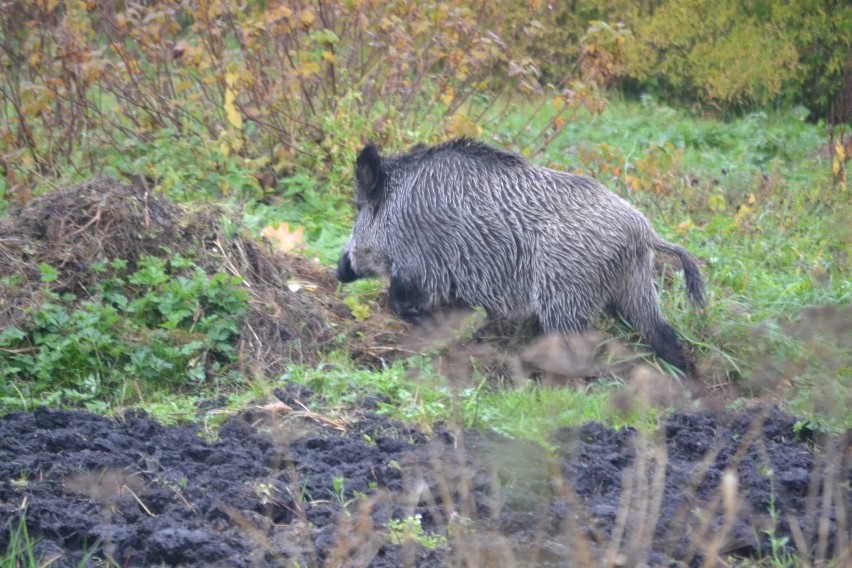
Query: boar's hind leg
(640, 306)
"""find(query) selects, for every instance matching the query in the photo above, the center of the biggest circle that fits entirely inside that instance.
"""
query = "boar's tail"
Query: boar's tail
(691, 272)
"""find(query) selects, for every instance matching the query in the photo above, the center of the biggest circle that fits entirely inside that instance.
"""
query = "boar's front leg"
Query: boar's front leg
(408, 299)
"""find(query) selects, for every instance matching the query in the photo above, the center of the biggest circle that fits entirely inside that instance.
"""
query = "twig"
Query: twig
(91, 222)
(17, 351)
(138, 500)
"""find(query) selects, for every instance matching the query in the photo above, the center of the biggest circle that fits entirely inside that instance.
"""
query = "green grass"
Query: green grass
(20, 552)
(413, 392)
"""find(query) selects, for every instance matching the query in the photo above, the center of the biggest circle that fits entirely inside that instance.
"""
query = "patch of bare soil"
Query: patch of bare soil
(288, 490)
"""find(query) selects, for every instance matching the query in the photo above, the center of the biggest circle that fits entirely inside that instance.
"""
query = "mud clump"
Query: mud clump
(286, 490)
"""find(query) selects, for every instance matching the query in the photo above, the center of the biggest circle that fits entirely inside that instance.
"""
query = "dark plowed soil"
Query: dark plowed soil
(288, 490)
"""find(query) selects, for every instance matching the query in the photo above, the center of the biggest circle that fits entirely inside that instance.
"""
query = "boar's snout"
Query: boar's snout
(345, 272)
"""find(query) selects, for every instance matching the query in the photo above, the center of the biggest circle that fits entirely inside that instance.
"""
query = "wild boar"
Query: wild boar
(467, 224)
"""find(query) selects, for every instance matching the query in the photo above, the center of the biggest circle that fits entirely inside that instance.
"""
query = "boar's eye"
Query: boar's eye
(358, 204)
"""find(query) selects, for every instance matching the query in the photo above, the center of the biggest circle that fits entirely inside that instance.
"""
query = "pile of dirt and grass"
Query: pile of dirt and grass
(292, 489)
(294, 307)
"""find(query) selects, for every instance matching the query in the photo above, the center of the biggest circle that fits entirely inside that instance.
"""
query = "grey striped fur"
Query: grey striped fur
(466, 224)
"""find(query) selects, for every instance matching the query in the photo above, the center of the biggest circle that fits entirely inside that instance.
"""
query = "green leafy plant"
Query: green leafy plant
(165, 323)
(410, 529)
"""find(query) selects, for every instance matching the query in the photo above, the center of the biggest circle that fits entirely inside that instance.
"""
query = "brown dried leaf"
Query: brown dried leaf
(282, 238)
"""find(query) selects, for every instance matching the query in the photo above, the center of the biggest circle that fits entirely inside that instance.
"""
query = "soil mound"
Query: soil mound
(294, 305)
(286, 490)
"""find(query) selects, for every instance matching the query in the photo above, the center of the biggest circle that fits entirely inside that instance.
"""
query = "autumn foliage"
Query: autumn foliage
(284, 83)
(726, 55)
(170, 91)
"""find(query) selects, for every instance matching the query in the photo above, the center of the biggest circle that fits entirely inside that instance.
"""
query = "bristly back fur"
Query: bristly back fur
(475, 150)
(465, 148)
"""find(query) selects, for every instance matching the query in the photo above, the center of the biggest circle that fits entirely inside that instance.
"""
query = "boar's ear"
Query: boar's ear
(369, 177)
